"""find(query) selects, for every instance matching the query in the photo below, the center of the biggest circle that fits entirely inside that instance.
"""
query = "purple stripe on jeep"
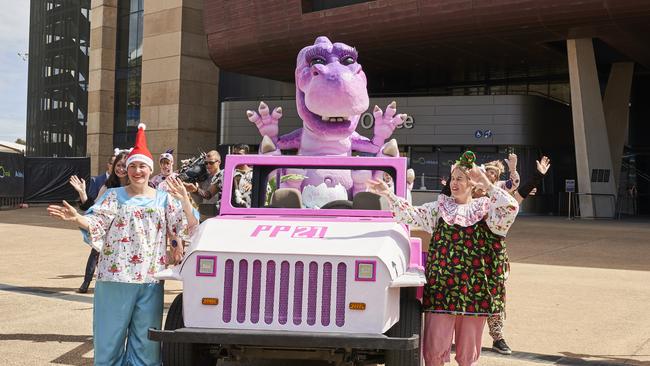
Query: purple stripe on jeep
(255, 295)
(270, 292)
(341, 274)
(297, 293)
(284, 292)
(227, 291)
(241, 290)
(312, 292)
(327, 294)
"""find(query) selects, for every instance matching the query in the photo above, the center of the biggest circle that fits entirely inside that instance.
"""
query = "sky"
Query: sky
(14, 39)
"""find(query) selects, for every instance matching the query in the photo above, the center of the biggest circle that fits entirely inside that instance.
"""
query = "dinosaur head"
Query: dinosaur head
(331, 89)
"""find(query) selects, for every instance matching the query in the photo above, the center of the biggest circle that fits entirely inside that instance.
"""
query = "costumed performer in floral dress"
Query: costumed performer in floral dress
(467, 262)
(128, 226)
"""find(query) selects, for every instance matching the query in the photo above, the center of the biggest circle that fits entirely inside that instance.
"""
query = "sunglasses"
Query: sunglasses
(213, 162)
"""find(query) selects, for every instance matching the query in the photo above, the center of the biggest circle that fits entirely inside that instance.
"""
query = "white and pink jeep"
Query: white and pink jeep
(280, 281)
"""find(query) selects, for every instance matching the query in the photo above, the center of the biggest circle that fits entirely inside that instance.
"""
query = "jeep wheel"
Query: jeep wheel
(183, 354)
(410, 322)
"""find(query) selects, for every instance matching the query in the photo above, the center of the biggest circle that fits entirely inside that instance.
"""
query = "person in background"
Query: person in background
(166, 163)
(208, 193)
(242, 179)
(116, 177)
(410, 180)
(466, 263)
(129, 226)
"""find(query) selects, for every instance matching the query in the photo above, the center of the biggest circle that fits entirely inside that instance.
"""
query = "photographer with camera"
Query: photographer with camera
(207, 193)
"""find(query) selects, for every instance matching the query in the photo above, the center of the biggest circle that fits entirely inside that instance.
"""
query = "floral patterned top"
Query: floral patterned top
(130, 234)
(157, 180)
(242, 197)
(467, 262)
(498, 208)
(511, 184)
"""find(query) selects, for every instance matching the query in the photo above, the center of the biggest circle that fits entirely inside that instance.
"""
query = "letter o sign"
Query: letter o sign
(367, 120)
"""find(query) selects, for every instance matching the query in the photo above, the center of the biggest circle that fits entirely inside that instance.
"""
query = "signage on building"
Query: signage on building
(485, 134)
(367, 121)
(570, 185)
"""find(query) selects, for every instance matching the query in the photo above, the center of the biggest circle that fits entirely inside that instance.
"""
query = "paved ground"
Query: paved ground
(579, 293)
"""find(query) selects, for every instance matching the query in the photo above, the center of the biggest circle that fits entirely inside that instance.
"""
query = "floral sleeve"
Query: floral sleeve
(100, 217)
(502, 211)
(511, 184)
(424, 217)
(176, 221)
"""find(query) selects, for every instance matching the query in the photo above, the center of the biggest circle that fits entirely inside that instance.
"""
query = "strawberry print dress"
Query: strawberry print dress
(467, 262)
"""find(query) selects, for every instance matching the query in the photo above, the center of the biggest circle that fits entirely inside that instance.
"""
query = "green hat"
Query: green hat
(466, 160)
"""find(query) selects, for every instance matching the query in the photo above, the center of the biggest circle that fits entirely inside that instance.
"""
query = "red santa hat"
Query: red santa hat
(140, 151)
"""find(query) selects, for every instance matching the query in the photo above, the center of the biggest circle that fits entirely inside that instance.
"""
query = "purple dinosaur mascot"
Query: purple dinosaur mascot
(331, 95)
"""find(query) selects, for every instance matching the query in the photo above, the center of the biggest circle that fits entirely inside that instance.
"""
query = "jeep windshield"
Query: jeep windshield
(308, 185)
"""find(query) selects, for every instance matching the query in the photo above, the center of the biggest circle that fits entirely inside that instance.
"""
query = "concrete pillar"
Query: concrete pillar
(101, 83)
(179, 80)
(593, 158)
(616, 106)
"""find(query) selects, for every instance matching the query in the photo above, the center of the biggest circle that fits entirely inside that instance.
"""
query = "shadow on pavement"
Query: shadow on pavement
(569, 359)
(73, 357)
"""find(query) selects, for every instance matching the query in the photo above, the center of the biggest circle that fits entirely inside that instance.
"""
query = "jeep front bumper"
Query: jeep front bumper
(274, 338)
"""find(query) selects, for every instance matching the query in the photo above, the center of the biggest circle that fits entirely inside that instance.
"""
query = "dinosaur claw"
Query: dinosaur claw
(393, 104)
(267, 145)
(391, 149)
(377, 109)
(263, 105)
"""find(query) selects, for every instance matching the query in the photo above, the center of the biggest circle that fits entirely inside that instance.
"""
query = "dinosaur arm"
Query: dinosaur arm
(290, 140)
(363, 144)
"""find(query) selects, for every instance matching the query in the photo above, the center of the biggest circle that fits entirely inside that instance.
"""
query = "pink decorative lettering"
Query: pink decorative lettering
(278, 229)
(259, 229)
(300, 232)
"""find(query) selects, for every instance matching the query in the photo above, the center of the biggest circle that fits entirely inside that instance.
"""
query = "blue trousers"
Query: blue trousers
(122, 316)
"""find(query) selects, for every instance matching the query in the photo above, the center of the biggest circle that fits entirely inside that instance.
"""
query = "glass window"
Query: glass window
(128, 72)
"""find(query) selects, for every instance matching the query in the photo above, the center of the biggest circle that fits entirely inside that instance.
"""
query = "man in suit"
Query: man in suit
(98, 181)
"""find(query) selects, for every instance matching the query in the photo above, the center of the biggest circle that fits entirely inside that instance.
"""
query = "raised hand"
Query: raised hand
(65, 212)
(511, 161)
(386, 122)
(176, 188)
(478, 179)
(543, 165)
(78, 184)
(267, 123)
(379, 187)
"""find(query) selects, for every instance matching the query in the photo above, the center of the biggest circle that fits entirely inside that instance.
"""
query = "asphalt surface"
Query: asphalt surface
(578, 293)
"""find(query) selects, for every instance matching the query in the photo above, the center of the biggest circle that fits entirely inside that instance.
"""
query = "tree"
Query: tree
(20, 141)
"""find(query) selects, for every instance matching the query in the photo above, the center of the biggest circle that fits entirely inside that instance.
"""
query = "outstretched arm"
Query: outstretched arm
(424, 217)
(542, 168)
(290, 140)
(363, 144)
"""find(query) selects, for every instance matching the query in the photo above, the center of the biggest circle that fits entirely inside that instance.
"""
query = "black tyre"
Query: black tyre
(410, 323)
(183, 354)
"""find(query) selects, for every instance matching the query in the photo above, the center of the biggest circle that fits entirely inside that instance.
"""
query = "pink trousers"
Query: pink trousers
(440, 329)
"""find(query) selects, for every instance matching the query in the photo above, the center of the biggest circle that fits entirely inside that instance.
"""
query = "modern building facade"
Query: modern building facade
(584, 54)
(57, 92)
(149, 63)
(566, 78)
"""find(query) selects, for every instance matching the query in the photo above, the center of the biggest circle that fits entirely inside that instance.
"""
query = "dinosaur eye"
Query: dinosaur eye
(317, 60)
(348, 60)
